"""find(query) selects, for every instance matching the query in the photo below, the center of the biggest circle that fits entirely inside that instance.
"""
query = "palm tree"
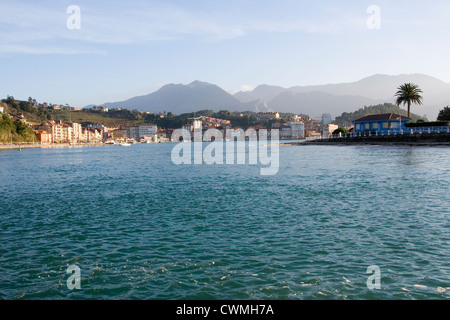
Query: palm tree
(409, 93)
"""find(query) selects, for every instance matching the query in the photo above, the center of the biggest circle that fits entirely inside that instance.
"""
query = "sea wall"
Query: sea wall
(425, 139)
(46, 146)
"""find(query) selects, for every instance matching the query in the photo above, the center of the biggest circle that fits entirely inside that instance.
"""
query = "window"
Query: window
(375, 125)
(358, 126)
(367, 126)
(385, 125)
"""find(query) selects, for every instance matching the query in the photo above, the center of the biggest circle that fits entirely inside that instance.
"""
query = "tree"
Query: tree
(444, 114)
(340, 130)
(408, 94)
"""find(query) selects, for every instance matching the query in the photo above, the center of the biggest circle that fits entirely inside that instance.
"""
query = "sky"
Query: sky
(107, 51)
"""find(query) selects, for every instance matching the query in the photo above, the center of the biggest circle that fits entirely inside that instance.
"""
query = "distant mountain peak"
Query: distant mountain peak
(313, 100)
(200, 84)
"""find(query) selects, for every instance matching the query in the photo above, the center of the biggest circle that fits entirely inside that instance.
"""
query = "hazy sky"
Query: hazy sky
(128, 48)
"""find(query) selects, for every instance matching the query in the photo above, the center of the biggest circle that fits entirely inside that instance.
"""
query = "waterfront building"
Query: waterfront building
(285, 132)
(43, 136)
(312, 134)
(55, 129)
(162, 135)
(149, 139)
(328, 130)
(381, 123)
(188, 127)
(93, 135)
(311, 124)
(197, 125)
(118, 134)
(67, 133)
(298, 129)
(132, 133)
(147, 130)
(77, 131)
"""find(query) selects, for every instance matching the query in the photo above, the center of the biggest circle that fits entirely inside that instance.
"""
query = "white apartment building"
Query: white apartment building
(197, 125)
(69, 132)
(141, 131)
(147, 130)
(77, 132)
(328, 130)
(285, 132)
(132, 133)
(298, 129)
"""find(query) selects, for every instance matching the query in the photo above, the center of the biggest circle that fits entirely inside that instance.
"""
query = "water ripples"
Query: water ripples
(142, 228)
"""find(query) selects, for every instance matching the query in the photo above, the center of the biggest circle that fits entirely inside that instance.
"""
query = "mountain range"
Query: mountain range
(313, 100)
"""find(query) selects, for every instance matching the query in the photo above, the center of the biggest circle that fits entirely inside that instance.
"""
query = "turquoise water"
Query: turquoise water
(140, 227)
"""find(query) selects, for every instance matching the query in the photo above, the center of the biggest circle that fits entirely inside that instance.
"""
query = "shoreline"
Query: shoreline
(48, 146)
(413, 140)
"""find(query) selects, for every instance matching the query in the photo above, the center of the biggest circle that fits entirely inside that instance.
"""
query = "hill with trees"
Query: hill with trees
(346, 118)
(35, 114)
(15, 131)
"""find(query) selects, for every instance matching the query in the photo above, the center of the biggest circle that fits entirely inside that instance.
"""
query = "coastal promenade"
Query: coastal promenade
(46, 146)
(425, 139)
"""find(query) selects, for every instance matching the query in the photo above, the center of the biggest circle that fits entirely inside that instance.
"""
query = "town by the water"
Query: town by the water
(372, 128)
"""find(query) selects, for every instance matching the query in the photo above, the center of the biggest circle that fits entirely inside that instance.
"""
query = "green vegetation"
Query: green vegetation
(27, 108)
(15, 131)
(444, 114)
(340, 130)
(408, 94)
(36, 114)
(113, 118)
(238, 119)
(419, 124)
(346, 118)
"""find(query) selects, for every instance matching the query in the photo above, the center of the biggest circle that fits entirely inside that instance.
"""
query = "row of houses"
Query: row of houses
(289, 130)
(67, 132)
(298, 129)
(72, 132)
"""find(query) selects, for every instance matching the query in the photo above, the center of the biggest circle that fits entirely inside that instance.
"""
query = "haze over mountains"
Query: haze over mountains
(313, 100)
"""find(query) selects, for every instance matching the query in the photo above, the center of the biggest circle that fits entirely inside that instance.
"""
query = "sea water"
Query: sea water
(137, 226)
